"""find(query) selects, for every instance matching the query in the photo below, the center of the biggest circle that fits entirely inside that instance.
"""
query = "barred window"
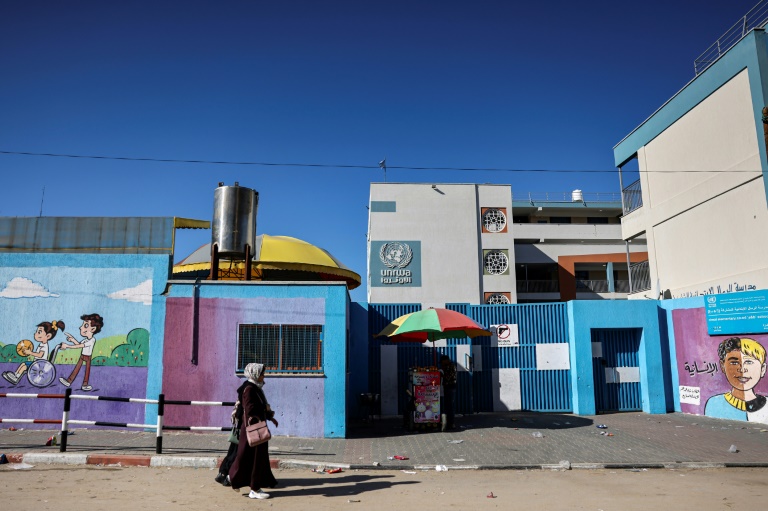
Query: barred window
(281, 348)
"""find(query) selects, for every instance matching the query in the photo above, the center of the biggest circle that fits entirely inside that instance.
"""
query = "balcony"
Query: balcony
(569, 232)
(538, 286)
(601, 286)
(640, 276)
(633, 197)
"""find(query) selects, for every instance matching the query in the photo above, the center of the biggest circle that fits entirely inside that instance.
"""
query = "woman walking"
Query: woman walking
(251, 466)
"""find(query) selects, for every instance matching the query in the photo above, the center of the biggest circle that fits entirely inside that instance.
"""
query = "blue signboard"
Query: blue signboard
(737, 313)
(395, 264)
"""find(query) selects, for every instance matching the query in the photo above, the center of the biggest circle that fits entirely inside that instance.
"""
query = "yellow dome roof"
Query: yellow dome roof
(279, 253)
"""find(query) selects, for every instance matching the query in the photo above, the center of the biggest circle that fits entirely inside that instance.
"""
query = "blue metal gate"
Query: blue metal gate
(540, 390)
(615, 364)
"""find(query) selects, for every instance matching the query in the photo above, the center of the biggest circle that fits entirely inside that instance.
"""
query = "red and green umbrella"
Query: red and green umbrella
(431, 325)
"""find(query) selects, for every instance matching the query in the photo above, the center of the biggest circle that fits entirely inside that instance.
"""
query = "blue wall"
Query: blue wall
(584, 315)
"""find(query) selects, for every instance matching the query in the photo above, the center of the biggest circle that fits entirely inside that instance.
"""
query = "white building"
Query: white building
(699, 191)
(440, 243)
(468, 243)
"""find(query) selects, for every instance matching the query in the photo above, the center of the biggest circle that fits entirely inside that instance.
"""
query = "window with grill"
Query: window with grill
(281, 348)
(495, 262)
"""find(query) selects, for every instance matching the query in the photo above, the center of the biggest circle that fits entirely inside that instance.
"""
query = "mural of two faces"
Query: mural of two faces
(720, 375)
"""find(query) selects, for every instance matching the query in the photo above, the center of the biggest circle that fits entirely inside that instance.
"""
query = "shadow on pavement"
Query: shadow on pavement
(394, 426)
(330, 486)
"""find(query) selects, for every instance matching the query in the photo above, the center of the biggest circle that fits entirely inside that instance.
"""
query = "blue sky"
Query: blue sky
(521, 85)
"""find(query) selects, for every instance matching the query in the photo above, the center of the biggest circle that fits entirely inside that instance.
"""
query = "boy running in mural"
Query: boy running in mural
(92, 324)
(44, 333)
(743, 363)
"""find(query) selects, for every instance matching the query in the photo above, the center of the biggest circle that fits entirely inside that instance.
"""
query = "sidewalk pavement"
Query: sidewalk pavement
(512, 440)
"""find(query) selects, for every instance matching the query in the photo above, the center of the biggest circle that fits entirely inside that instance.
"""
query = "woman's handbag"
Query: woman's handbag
(257, 433)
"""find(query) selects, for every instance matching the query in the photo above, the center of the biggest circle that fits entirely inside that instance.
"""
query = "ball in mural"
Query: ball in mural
(23, 346)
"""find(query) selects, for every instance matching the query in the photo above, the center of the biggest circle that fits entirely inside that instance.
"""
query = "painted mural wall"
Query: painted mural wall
(720, 376)
(83, 322)
(201, 353)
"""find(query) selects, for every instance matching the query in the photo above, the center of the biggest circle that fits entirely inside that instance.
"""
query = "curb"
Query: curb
(131, 460)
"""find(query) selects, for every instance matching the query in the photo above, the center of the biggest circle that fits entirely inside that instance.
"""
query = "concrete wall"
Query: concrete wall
(207, 315)
(125, 291)
(587, 315)
(445, 220)
(702, 162)
(499, 197)
(696, 373)
(693, 218)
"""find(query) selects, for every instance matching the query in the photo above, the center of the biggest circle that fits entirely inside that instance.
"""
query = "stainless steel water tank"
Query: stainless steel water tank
(234, 219)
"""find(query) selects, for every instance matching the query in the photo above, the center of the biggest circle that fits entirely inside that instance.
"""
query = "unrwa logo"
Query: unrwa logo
(395, 254)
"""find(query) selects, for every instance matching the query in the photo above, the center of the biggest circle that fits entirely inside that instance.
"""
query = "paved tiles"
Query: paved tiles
(514, 440)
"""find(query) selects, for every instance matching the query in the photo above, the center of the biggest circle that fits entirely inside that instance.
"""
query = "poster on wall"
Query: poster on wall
(737, 313)
(720, 376)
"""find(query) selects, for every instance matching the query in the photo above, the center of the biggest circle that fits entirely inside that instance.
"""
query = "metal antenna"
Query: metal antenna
(383, 165)
(41, 201)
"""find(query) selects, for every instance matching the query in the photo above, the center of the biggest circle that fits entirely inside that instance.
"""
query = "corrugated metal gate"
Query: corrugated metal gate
(540, 389)
(615, 363)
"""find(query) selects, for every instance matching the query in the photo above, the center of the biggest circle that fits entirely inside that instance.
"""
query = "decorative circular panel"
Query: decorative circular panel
(498, 299)
(496, 262)
(494, 220)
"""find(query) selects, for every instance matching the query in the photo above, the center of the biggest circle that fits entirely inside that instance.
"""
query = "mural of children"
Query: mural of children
(44, 333)
(742, 360)
(92, 325)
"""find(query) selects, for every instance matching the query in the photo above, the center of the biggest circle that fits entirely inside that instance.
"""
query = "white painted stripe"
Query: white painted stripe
(84, 396)
(148, 426)
(21, 395)
(137, 400)
(622, 374)
(206, 403)
(179, 461)
(159, 427)
(56, 459)
(462, 358)
(553, 356)
(87, 423)
(18, 420)
(204, 428)
(506, 393)
(628, 374)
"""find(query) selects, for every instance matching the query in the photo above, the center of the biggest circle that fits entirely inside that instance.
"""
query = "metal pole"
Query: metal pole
(160, 412)
(64, 419)
(629, 267)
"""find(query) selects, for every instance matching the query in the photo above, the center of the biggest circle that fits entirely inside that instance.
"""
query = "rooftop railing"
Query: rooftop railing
(569, 197)
(757, 17)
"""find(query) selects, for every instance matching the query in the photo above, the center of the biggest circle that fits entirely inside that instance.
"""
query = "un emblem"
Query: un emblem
(395, 254)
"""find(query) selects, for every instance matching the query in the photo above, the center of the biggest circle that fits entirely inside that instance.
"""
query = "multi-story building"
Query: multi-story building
(468, 243)
(568, 246)
(694, 176)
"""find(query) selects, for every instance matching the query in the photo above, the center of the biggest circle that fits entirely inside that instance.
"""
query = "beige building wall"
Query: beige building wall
(704, 203)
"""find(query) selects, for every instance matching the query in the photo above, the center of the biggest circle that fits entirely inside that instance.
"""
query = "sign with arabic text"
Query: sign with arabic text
(737, 313)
